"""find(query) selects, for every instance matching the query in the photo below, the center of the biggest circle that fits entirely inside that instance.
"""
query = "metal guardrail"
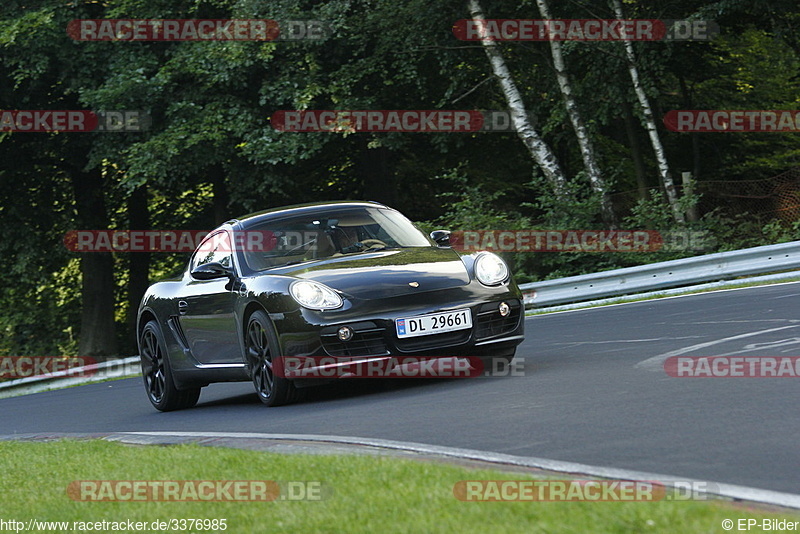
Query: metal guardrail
(667, 274)
(119, 368)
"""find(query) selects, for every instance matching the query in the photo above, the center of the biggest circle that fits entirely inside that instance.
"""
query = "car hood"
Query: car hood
(386, 273)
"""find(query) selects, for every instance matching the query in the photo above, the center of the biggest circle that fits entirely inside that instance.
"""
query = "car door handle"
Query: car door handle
(183, 306)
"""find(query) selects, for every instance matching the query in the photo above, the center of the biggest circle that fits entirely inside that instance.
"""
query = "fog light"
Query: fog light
(345, 333)
(504, 309)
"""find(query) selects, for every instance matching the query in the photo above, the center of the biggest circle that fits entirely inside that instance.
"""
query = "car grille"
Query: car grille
(490, 323)
(368, 340)
(434, 341)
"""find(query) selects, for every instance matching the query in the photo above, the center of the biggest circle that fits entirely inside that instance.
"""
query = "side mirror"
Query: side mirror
(210, 271)
(441, 237)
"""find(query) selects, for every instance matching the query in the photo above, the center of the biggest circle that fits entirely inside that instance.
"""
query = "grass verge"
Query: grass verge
(360, 494)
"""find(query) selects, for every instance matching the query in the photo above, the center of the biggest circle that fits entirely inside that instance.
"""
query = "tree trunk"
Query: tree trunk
(636, 151)
(221, 198)
(139, 262)
(98, 333)
(688, 103)
(650, 125)
(588, 155)
(539, 150)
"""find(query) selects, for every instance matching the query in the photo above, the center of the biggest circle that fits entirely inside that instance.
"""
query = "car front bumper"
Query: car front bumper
(314, 333)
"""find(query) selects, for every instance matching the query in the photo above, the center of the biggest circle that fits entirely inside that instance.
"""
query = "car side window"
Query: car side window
(215, 247)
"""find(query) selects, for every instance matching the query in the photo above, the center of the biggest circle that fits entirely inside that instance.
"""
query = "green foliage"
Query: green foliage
(651, 213)
(212, 152)
(472, 207)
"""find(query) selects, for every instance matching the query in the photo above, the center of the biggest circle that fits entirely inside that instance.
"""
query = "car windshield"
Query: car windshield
(331, 234)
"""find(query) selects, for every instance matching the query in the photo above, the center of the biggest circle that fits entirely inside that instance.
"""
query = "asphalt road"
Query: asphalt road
(594, 391)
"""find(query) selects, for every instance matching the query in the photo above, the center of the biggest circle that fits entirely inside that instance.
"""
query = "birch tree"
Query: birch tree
(650, 124)
(588, 153)
(539, 150)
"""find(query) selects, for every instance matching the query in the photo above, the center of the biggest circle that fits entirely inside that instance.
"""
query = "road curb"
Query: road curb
(250, 440)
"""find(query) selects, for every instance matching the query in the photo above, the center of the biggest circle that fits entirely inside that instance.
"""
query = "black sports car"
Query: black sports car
(347, 280)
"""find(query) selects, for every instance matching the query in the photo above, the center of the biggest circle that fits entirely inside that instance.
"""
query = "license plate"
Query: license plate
(434, 323)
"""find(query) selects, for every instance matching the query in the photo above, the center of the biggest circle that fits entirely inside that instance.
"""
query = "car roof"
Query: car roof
(301, 209)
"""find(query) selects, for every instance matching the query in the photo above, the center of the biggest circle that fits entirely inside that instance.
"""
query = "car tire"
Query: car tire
(262, 349)
(159, 384)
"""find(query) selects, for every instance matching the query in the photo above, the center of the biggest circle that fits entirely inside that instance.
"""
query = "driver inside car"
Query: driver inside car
(346, 239)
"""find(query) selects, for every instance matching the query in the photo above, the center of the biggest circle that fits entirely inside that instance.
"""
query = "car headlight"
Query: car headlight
(315, 295)
(490, 270)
